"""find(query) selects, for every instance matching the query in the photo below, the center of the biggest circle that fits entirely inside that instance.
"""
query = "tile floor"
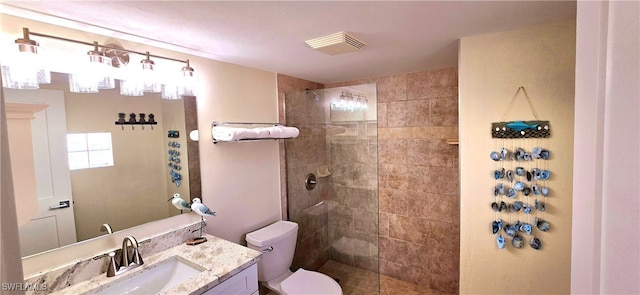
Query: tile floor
(356, 281)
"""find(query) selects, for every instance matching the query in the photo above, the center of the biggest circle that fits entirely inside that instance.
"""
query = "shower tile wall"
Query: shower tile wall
(418, 177)
(353, 205)
(418, 181)
(288, 84)
(306, 153)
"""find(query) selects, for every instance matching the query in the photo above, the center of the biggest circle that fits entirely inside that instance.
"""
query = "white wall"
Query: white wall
(607, 147)
(491, 68)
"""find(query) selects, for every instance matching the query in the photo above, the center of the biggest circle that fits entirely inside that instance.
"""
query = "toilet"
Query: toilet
(277, 242)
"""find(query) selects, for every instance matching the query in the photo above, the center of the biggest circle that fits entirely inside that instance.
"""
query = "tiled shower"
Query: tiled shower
(393, 191)
(338, 218)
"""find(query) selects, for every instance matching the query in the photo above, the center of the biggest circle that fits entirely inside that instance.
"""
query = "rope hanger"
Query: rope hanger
(513, 100)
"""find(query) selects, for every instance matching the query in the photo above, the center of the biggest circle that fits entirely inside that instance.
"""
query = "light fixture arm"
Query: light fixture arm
(26, 32)
(25, 42)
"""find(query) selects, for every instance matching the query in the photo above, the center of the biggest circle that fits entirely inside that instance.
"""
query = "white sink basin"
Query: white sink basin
(156, 278)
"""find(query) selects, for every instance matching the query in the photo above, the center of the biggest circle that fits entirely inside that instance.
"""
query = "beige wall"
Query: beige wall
(138, 178)
(239, 181)
(491, 67)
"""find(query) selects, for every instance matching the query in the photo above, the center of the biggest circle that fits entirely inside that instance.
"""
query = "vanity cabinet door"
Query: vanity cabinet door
(243, 283)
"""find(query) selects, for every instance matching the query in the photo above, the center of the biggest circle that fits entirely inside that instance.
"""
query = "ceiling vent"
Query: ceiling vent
(335, 44)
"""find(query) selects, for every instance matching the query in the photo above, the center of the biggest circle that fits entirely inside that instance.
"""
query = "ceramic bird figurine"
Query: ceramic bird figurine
(201, 209)
(179, 202)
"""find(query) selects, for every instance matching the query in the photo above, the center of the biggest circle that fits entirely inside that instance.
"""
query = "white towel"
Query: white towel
(231, 133)
(283, 132)
(223, 133)
(290, 132)
(261, 132)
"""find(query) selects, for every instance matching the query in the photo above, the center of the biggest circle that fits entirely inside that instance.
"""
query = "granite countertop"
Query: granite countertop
(222, 260)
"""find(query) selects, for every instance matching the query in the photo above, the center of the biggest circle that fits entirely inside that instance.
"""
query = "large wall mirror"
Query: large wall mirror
(89, 171)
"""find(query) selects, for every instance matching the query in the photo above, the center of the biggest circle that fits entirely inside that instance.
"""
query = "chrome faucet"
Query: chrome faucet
(106, 228)
(126, 262)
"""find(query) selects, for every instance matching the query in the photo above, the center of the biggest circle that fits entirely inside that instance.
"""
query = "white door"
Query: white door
(51, 227)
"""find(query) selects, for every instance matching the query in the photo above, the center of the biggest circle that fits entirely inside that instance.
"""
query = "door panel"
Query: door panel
(50, 228)
(45, 229)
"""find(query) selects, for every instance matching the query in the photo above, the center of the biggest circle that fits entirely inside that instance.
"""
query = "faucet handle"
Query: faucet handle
(112, 268)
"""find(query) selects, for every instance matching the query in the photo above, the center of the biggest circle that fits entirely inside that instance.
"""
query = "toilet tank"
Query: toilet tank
(282, 237)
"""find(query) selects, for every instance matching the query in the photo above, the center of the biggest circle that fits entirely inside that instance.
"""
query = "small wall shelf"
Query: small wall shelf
(452, 141)
(136, 123)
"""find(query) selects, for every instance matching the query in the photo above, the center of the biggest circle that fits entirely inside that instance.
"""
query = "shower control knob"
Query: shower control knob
(310, 182)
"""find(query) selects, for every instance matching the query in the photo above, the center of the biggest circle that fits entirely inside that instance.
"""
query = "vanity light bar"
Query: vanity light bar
(26, 32)
(100, 63)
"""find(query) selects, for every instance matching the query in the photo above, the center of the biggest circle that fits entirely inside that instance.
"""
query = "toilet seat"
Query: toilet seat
(304, 282)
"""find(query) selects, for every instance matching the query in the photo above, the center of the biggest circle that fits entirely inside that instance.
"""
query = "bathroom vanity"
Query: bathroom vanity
(214, 267)
(218, 267)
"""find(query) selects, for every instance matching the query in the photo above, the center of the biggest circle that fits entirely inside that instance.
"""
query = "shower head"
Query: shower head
(316, 96)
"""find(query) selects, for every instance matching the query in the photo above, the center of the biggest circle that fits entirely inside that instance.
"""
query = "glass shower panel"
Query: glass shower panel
(338, 219)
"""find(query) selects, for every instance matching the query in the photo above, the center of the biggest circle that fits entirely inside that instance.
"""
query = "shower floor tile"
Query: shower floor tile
(356, 281)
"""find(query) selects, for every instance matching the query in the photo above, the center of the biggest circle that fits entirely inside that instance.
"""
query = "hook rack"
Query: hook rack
(132, 121)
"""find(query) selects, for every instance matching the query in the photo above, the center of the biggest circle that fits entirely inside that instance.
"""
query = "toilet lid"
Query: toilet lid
(310, 282)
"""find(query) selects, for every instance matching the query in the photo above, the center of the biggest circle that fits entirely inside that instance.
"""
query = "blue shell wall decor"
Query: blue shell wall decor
(521, 129)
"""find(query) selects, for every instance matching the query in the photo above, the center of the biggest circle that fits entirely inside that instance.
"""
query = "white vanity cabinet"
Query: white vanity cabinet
(243, 283)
